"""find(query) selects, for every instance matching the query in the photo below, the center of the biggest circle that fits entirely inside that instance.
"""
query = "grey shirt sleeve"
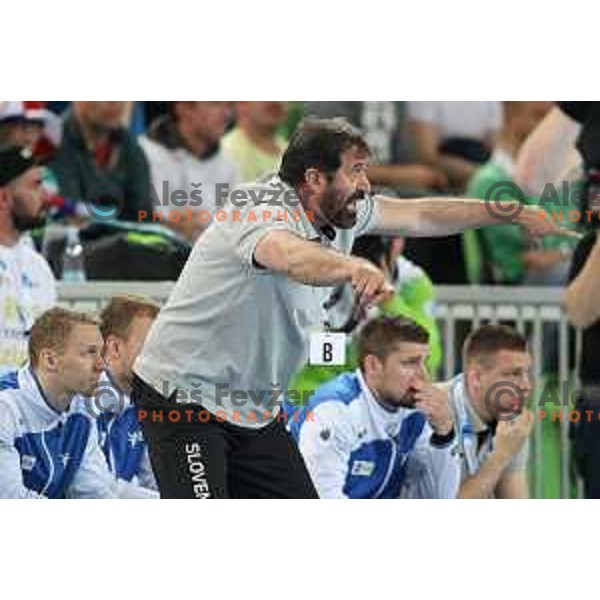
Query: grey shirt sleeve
(256, 222)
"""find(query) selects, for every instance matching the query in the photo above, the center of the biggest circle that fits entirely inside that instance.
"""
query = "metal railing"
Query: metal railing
(538, 313)
(535, 311)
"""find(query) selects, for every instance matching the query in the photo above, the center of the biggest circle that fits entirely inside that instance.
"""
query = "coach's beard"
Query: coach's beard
(343, 217)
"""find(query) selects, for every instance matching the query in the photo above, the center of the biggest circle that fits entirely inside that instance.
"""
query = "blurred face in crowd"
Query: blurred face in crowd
(26, 200)
(79, 365)
(264, 116)
(335, 199)
(101, 117)
(523, 117)
(32, 132)
(203, 120)
(400, 375)
(13, 133)
(121, 352)
(500, 383)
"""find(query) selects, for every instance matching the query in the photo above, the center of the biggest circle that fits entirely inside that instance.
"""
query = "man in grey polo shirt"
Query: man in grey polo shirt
(220, 355)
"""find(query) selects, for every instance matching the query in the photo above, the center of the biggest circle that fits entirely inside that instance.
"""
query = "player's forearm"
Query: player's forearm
(425, 217)
(581, 298)
(483, 484)
(303, 261)
(513, 487)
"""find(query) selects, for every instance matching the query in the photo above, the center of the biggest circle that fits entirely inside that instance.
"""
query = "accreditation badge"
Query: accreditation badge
(327, 348)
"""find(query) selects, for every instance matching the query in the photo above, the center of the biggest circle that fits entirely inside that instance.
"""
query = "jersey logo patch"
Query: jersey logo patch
(134, 438)
(27, 462)
(362, 468)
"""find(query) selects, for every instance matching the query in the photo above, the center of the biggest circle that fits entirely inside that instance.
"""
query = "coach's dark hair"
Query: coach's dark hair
(381, 336)
(319, 144)
(485, 342)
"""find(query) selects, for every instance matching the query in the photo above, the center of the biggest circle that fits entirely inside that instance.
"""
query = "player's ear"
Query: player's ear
(50, 360)
(372, 365)
(313, 177)
(112, 347)
(474, 378)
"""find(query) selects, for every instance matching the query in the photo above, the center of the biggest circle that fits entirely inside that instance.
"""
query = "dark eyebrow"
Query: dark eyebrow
(412, 359)
(87, 347)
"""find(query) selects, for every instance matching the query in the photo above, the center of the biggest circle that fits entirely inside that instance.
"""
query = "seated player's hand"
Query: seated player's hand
(433, 402)
(511, 435)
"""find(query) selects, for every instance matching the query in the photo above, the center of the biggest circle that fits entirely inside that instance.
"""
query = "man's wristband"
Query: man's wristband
(442, 440)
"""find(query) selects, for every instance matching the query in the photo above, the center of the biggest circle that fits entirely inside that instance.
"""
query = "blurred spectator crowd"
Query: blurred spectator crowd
(130, 186)
(160, 171)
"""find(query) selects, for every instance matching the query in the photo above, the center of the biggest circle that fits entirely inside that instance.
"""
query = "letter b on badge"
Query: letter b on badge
(327, 349)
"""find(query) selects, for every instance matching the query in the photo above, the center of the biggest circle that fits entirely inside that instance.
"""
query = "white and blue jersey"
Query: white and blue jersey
(355, 448)
(27, 289)
(121, 439)
(476, 438)
(45, 453)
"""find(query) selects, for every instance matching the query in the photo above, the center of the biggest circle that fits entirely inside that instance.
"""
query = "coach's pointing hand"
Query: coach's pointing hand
(369, 283)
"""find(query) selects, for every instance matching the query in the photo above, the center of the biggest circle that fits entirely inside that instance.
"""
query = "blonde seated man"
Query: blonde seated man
(48, 446)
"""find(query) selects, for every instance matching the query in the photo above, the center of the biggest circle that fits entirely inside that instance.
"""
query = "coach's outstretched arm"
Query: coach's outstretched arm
(312, 264)
(430, 217)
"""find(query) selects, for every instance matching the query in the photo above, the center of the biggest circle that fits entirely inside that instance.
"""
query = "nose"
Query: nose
(526, 385)
(46, 198)
(421, 376)
(99, 365)
(363, 184)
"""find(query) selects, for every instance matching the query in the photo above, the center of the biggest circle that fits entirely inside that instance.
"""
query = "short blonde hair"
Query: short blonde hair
(52, 330)
(118, 315)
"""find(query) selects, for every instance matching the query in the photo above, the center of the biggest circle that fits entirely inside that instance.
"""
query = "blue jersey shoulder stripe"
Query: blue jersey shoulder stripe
(345, 388)
(9, 381)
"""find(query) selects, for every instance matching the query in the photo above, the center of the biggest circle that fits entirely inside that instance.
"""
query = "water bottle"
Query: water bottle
(73, 263)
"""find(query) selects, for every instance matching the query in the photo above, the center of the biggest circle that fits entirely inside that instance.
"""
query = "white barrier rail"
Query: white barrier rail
(538, 313)
(535, 311)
